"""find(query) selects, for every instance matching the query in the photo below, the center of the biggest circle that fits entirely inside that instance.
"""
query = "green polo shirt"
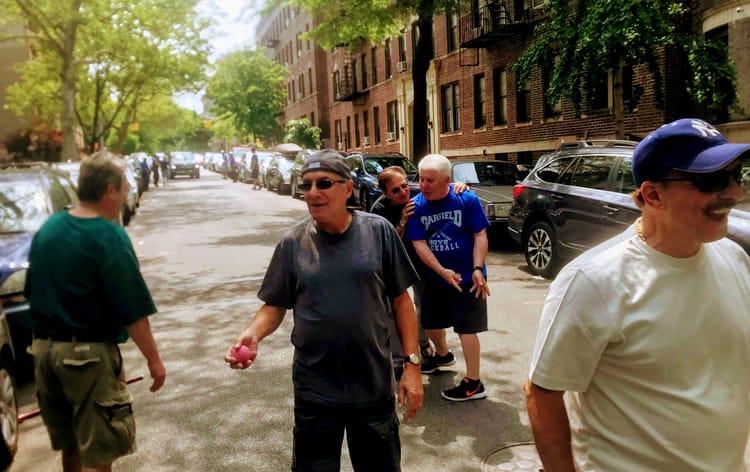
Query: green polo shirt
(84, 279)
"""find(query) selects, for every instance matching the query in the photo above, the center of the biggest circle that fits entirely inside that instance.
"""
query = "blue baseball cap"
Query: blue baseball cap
(689, 145)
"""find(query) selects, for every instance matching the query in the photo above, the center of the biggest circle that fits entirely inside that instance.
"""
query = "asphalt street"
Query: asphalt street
(204, 246)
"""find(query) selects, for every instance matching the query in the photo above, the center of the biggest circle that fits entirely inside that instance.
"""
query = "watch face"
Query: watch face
(414, 359)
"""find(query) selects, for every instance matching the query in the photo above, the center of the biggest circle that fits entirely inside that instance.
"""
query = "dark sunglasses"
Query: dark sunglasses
(320, 184)
(397, 190)
(711, 183)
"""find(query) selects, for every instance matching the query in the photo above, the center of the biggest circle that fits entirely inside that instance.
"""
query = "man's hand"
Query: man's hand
(410, 390)
(407, 211)
(460, 187)
(158, 373)
(247, 339)
(452, 277)
(480, 286)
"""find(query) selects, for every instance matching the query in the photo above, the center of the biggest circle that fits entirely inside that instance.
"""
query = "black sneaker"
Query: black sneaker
(466, 390)
(446, 360)
(429, 365)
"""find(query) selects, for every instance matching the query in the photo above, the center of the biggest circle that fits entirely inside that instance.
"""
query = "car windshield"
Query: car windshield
(374, 165)
(182, 157)
(285, 164)
(484, 173)
(23, 206)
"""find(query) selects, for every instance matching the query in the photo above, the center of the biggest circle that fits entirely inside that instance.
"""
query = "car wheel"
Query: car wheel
(540, 249)
(8, 415)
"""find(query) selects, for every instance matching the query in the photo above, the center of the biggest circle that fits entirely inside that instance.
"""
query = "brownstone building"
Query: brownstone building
(476, 105)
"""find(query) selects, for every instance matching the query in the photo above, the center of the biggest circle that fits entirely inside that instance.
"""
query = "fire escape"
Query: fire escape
(345, 87)
(490, 23)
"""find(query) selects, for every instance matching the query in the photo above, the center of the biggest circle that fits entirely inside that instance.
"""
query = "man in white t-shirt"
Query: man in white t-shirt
(649, 333)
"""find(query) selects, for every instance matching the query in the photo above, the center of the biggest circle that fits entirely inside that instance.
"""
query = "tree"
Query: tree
(251, 89)
(83, 44)
(578, 49)
(300, 132)
(349, 22)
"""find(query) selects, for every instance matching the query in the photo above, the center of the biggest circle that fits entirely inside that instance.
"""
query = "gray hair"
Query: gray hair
(436, 162)
(97, 171)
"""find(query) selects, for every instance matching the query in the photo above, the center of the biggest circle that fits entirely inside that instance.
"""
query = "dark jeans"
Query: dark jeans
(371, 434)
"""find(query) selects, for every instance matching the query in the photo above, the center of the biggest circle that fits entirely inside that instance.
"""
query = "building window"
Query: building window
(450, 99)
(500, 95)
(376, 123)
(336, 89)
(401, 49)
(524, 157)
(392, 111)
(387, 55)
(307, 30)
(414, 40)
(356, 130)
(480, 111)
(365, 124)
(348, 136)
(337, 134)
(310, 80)
(353, 67)
(374, 67)
(452, 27)
(598, 88)
(363, 69)
(312, 118)
(523, 100)
(550, 110)
(301, 84)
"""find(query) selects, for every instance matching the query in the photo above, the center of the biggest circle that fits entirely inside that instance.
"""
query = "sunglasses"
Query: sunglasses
(397, 190)
(711, 183)
(320, 184)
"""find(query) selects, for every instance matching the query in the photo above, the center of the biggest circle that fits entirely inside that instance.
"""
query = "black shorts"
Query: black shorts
(445, 307)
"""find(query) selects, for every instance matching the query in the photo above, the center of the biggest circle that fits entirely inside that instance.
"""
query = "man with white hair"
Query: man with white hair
(449, 232)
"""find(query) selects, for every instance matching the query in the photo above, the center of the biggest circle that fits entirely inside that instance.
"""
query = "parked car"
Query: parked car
(130, 207)
(183, 163)
(366, 168)
(264, 160)
(493, 182)
(279, 174)
(579, 198)
(72, 168)
(8, 397)
(29, 194)
(299, 161)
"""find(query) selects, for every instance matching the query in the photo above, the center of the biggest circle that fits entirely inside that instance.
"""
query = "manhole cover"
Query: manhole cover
(515, 457)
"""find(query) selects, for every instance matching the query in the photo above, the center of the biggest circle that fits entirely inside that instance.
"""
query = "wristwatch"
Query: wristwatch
(415, 359)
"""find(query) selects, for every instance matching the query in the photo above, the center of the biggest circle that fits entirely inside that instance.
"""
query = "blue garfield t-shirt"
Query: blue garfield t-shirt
(448, 226)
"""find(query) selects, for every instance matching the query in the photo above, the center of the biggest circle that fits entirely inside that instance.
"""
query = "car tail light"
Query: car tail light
(518, 190)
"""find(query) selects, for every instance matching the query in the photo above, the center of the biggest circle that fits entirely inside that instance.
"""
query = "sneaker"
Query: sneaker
(429, 365)
(466, 390)
(446, 360)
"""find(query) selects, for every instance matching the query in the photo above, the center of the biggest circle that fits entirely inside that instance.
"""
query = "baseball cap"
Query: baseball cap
(689, 145)
(328, 161)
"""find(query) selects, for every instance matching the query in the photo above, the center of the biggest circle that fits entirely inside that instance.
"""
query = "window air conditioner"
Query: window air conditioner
(340, 146)
(401, 66)
(390, 136)
(365, 141)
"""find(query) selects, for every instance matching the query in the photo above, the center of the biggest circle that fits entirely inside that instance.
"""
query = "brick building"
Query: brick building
(476, 106)
(307, 84)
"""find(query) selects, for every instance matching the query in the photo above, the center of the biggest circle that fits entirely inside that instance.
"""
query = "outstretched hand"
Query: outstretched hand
(246, 339)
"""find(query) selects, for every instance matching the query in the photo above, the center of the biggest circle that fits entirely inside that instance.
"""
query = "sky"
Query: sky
(232, 26)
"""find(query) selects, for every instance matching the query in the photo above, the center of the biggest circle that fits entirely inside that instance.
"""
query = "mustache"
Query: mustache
(721, 204)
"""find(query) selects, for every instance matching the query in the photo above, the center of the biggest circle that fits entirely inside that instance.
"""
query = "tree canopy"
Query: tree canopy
(250, 89)
(95, 61)
(302, 133)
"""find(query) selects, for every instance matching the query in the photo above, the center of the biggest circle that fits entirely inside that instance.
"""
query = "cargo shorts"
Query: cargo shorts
(84, 400)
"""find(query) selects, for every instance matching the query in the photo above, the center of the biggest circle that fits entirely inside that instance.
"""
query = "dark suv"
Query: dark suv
(29, 194)
(366, 168)
(579, 197)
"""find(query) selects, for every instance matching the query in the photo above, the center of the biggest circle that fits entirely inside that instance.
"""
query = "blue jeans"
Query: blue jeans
(371, 434)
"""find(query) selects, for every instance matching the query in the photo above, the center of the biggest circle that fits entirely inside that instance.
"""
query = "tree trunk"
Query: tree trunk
(619, 102)
(68, 119)
(423, 55)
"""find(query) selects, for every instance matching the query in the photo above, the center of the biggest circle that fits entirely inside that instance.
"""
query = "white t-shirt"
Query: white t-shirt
(654, 354)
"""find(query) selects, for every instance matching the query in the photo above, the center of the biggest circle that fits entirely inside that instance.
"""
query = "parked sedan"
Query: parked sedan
(581, 197)
(299, 161)
(279, 174)
(183, 163)
(8, 398)
(493, 183)
(366, 168)
(29, 194)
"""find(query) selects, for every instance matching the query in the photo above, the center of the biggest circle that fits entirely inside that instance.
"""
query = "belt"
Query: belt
(68, 338)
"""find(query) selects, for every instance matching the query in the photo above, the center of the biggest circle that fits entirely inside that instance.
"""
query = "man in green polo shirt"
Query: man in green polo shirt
(86, 295)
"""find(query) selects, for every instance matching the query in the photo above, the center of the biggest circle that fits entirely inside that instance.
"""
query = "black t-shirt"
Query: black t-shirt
(340, 287)
(392, 213)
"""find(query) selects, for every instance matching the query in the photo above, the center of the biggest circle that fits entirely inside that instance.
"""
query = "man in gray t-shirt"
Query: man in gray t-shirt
(341, 271)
